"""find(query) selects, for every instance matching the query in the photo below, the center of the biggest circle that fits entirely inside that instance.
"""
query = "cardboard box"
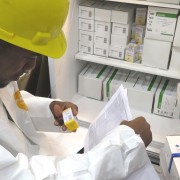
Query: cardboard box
(86, 47)
(102, 39)
(101, 50)
(86, 36)
(166, 98)
(140, 33)
(161, 23)
(176, 41)
(131, 53)
(86, 24)
(86, 9)
(144, 89)
(175, 60)
(123, 13)
(156, 53)
(141, 15)
(165, 1)
(103, 27)
(119, 40)
(117, 52)
(91, 80)
(121, 29)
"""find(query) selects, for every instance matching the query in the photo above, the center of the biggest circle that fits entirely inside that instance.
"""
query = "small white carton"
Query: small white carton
(86, 24)
(122, 13)
(141, 14)
(102, 39)
(175, 59)
(117, 52)
(86, 47)
(140, 33)
(166, 98)
(121, 29)
(101, 50)
(86, 9)
(176, 42)
(161, 23)
(103, 27)
(118, 39)
(91, 80)
(131, 53)
(156, 53)
(86, 36)
(144, 89)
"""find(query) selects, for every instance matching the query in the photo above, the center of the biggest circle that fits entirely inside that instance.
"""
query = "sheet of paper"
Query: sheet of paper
(116, 110)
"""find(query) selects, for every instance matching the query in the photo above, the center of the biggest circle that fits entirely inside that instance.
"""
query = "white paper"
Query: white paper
(116, 110)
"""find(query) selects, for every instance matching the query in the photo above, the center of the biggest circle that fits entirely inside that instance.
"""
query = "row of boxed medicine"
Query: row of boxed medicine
(170, 158)
(157, 94)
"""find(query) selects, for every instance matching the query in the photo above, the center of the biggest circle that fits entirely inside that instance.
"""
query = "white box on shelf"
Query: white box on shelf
(156, 53)
(132, 79)
(86, 24)
(91, 80)
(161, 23)
(141, 14)
(86, 9)
(175, 59)
(122, 13)
(102, 39)
(140, 33)
(101, 50)
(176, 41)
(144, 89)
(131, 52)
(86, 47)
(166, 98)
(121, 29)
(165, 1)
(86, 36)
(117, 40)
(117, 52)
(104, 27)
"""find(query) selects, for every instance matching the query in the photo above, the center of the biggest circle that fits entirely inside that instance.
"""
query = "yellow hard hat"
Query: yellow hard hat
(35, 25)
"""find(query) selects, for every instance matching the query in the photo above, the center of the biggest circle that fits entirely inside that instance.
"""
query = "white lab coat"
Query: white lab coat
(25, 154)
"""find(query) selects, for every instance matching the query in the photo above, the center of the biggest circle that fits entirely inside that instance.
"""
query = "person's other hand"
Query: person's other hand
(57, 107)
(141, 127)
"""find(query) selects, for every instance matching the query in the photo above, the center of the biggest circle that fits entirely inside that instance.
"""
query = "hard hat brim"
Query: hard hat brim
(55, 48)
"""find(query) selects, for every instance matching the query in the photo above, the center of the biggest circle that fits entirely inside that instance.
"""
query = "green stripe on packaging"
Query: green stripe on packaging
(152, 83)
(162, 93)
(167, 15)
(102, 70)
(109, 81)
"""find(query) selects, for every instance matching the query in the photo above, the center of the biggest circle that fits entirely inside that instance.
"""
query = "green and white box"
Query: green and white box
(166, 98)
(161, 23)
(141, 96)
(91, 80)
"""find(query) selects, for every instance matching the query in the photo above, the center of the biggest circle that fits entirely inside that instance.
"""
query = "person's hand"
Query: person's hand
(57, 107)
(141, 127)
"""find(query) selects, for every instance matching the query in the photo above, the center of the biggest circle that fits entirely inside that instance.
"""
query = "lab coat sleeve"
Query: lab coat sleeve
(116, 157)
(39, 111)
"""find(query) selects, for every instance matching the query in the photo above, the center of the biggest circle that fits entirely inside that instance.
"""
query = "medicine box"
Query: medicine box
(117, 52)
(86, 36)
(140, 33)
(175, 60)
(141, 14)
(131, 52)
(166, 1)
(119, 40)
(101, 38)
(176, 42)
(86, 9)
(86, 24)
(140, 52)
(86, 47)
(156, 53)
(101, 50)
(133, 30)
(91, 80)
(122, 13)
(103, 27)
(166, 98)
(144, 89)
(121, 29)
(161, 23)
